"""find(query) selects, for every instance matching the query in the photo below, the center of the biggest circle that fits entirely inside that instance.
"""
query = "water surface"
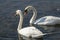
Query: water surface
(9, 22)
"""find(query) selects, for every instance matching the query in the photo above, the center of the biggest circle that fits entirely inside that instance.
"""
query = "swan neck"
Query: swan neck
(34, 15)
(20, 21)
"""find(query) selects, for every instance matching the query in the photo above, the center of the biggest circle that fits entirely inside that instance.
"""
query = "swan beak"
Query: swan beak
(15, 14)
(25, 12)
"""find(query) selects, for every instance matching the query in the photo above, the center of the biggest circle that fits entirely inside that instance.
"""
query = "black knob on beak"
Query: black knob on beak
(25, 12)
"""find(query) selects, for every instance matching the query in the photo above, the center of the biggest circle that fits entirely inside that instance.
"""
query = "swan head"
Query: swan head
(18, 12)
(27, 9)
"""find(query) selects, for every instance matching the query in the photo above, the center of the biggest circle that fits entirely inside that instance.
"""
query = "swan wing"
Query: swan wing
(46, 23)
(40, 20)
(48, 20)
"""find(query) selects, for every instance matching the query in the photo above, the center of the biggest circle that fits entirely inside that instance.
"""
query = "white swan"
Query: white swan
(29, 31)
(29, 8)
(46, 20)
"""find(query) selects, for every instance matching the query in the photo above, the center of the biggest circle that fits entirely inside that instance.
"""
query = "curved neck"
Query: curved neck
(34, 15)
(20, 21)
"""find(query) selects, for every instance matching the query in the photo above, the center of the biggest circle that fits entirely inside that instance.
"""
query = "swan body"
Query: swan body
(48, 20)
(29, 31)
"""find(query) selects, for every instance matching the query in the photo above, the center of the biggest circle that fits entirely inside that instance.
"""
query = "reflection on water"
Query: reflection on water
(9, 22)
(28, 38)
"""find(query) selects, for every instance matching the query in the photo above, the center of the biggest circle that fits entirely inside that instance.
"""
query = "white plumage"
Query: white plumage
(43, 22)
(29, 31)
(48, 20)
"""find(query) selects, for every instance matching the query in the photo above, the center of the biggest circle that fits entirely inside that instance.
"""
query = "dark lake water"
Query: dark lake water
(9, 22)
